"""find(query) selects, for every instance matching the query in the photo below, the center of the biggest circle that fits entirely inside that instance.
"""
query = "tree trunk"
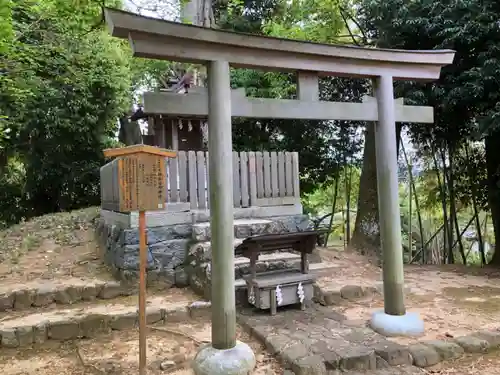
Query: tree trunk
(366, 235)
(493, 170)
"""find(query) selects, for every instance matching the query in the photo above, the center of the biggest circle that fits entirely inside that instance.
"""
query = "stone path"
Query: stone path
(320, 341)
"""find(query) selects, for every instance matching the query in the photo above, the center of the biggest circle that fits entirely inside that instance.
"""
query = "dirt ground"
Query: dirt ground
(469, 365)
(51, 247)
(452, 300)
(170, 351)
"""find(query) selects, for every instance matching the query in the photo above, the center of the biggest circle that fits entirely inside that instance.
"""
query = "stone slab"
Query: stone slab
(87, 322)
(332, 296)
(316, 341)
(48, 293)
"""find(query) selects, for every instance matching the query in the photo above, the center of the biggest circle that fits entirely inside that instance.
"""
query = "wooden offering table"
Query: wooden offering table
(269, 290)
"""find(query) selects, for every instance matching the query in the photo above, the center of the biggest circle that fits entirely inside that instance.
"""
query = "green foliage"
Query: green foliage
(319, 202)
(312, 20)
(65, 82)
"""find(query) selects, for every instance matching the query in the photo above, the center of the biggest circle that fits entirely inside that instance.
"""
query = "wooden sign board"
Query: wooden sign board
(141, 177)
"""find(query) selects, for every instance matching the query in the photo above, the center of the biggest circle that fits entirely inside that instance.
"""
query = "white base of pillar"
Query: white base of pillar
(239, 360)
(409, 324)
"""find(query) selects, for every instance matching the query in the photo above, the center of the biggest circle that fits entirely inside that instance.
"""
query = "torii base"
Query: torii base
(409, 324)
(239, 360)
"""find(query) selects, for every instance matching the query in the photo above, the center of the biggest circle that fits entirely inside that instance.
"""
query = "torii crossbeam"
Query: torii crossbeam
(219, 50)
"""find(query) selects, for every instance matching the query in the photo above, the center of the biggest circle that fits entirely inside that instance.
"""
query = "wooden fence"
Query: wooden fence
(259, 179)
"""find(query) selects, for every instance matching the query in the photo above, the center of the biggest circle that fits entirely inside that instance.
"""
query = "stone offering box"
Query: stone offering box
(279, 288)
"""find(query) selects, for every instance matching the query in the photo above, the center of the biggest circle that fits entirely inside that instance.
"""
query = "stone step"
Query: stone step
(67, 292)
(203, 251)
(89, 321)
(243, 228)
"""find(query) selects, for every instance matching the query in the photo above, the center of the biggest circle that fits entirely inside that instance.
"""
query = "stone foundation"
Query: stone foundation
(170, 260)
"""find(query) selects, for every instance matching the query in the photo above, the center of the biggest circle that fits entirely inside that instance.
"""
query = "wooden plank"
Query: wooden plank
(183, 180)
(259, 174)
(201, 178)
(207, 167)
(267, 175)
(295, 174)
(236, 180)
(278, 201)
(281, 175)
(288, 174)
(245, 198)
(252, 186)
(274, 175)
(192, 181)
(174, 188)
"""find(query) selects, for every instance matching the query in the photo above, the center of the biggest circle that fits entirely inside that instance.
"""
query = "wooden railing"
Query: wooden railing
(259, 179)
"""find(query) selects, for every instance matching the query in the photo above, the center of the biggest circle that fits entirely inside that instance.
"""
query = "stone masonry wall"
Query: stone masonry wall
(177, 253)
(167, 251)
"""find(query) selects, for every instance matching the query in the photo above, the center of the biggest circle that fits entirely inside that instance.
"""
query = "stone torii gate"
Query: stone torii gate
(152, 38)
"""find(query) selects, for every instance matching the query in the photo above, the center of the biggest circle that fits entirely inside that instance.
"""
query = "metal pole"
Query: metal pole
(221, 205)
(388, 198)
(143, 258)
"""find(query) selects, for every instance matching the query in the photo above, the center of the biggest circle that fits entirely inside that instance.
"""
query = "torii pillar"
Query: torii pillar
(394, 320)
(224, 355)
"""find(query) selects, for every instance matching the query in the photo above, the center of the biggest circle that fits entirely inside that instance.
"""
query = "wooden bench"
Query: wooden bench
(284, 287)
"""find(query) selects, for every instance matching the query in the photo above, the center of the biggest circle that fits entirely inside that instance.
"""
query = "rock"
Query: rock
(492, 337)
(423, 355)
(351, 292)
(110, 290)
(472, 344)
(93, 324)
(310, 365)
(66, 329)
(167, 365)
(124, 321)
(332, 297)
(177, 315)
(394, 354)
(68, 296)
(23, 299)
(170, 254)
(39, 333)
(6, 301)
(276, 344)
(293, 352)
(200, 309)
(356, 357)
(24, 335)
(91, 291)
(446, 349)
(181, 277)
(153, 314)
(44, 296)
(9, 338)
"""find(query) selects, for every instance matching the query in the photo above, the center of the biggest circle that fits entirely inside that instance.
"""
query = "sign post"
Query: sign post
(141, 180)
